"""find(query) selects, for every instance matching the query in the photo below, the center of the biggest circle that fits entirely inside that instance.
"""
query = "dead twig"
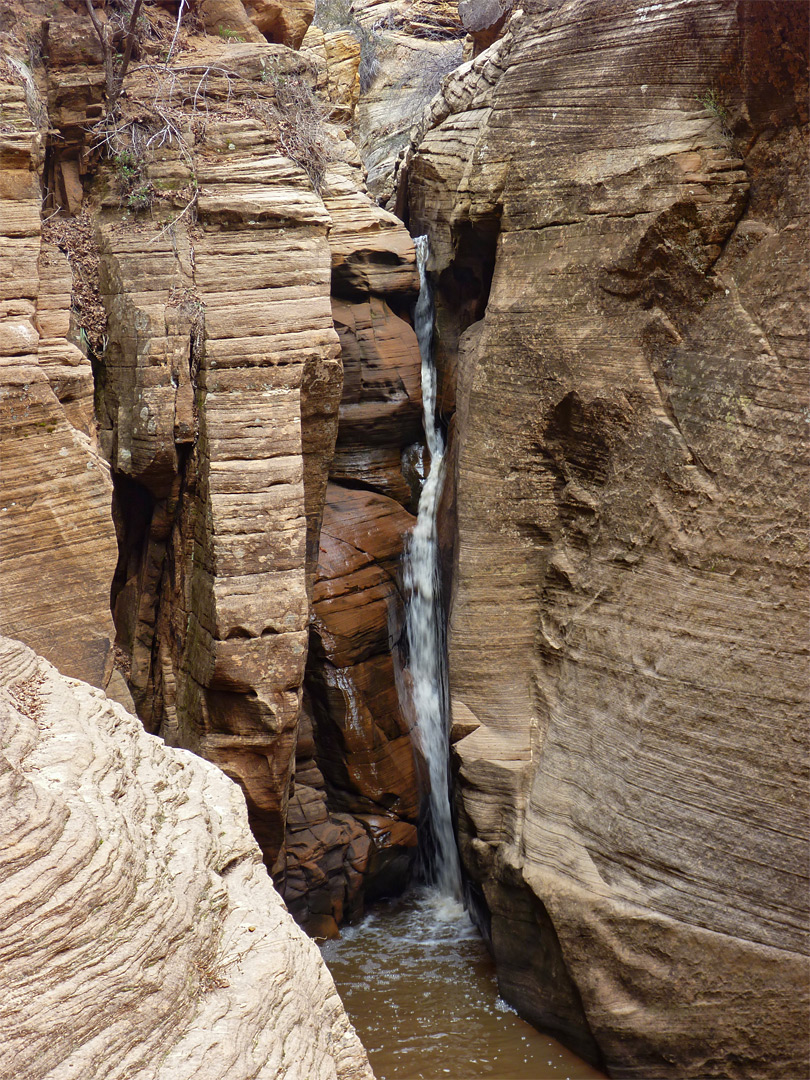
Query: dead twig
(114, 76)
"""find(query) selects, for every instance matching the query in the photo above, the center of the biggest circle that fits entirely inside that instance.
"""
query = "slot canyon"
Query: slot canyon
(404, 539)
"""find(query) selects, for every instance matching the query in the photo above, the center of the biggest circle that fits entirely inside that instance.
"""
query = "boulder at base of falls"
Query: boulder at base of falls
(140, 934)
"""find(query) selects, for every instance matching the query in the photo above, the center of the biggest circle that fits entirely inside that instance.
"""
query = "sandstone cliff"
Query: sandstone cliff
(204, 317)
(207, 245)
(617, 204)
(55, 487)
(141, 936)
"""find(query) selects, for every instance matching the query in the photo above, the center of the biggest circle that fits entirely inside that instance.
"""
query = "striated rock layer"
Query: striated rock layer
(58, 540)
(617, 201)
(140, 936)
(218, 408)
(215, 253)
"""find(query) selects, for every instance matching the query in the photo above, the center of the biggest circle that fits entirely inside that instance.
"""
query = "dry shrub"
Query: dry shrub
(299, 116)
(74, 237)
(431, 69)
(333, 15)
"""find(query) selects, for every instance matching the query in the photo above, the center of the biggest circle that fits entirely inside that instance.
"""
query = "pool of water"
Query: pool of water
(419, 986)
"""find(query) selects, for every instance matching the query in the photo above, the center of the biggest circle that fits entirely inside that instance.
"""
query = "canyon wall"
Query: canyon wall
(205, 324)
(616, 196)
(188, 275)
(58, 542)
(141, 935)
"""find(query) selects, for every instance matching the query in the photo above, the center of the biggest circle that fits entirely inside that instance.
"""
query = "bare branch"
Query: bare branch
(95, 20)
(176, 30)
(130, 40)
(190, 206)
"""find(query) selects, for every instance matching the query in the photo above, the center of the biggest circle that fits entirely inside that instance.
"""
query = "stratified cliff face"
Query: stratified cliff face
(221, 381)
(140, 935)
(617, 203)
(210, 245)
(55, 485)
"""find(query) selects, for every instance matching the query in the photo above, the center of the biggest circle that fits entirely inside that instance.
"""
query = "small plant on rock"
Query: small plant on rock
(138, 191)
(230, 35)
(711, 100)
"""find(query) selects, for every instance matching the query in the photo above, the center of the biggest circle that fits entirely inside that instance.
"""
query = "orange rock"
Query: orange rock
(282, 21)
(381, 406)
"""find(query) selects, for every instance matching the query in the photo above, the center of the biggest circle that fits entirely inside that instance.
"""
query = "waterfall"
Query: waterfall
(424, 619)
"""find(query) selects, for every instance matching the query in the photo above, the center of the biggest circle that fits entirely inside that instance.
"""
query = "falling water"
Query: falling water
(424, 619)
(415, 975)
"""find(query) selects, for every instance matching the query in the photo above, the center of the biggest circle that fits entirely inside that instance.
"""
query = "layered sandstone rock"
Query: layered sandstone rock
(218, 387)
(282, 22)
(338, 57)
(380, 410)
(141, 935)
(617, 207)
(58, 541)
(405, 49)
(374, 283)
(200, 250)
(351, 825)
(221, 383)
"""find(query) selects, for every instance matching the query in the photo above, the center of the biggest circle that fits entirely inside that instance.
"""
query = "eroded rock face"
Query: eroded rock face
(351, 826)
(58, 541)
(620, 255)
(407, 49)
(207, 244)
(141, 935)
(483, 20)
(338, 55)
(284, 22)
(221, 383)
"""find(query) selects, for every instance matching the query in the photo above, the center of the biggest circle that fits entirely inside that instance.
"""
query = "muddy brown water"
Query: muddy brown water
(419, 986)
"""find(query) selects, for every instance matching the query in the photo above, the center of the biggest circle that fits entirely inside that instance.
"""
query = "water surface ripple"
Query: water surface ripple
(419, 986)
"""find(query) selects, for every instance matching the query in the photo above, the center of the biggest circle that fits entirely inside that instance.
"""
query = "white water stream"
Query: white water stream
(424, 619)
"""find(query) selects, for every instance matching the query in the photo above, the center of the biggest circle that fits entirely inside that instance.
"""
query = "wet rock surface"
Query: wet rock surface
(351, 830)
